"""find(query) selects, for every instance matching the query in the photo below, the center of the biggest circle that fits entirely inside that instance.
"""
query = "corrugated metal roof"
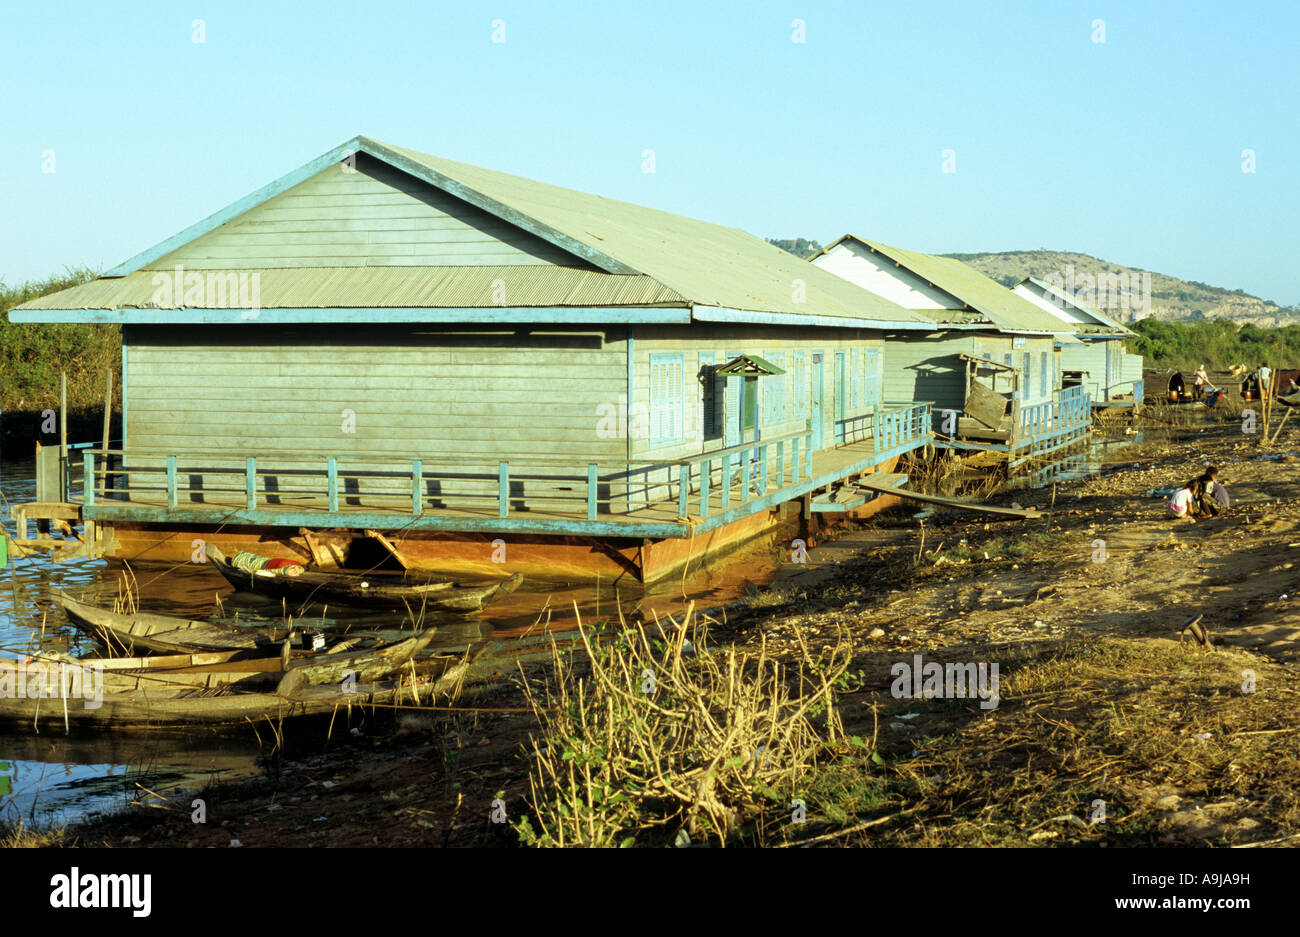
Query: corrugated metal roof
(1002, 308)
(375, 287)
(710, 264)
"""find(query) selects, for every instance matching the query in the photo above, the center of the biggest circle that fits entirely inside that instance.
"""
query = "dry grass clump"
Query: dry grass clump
(23, 837)
(649, 733)
(127, 600)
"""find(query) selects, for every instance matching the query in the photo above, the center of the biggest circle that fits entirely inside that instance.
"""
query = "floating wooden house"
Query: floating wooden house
(1092, 347)
(991, 365)
(485, 372)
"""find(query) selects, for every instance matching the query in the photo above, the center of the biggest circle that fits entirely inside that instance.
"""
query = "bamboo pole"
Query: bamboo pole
(1279, 427)
(1267, 404)
(108, 415)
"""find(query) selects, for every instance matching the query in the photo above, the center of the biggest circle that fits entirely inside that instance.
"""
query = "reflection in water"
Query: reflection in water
(57, 779)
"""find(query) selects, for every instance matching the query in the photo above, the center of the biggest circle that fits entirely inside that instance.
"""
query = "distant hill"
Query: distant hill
(1172, 299)
(800, 247)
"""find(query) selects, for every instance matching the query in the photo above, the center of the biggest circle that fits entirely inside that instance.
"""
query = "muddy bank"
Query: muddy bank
(1100, 701)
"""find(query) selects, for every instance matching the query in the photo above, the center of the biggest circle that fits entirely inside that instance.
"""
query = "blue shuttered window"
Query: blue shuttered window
(774, 392)
(710, 411)
(667, 398)
(799, 399)
(855, 379)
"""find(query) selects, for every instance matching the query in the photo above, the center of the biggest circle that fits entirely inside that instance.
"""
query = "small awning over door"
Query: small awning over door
(748, 366)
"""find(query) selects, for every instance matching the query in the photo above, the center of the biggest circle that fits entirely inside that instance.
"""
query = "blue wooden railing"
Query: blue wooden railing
(899, 423)
(414, 485)
(1071, 409)
(720, 479)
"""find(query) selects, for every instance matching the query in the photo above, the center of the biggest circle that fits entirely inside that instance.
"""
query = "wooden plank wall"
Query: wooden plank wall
(375, 216)
(929, 369)
(403, 391)
(1090, 357)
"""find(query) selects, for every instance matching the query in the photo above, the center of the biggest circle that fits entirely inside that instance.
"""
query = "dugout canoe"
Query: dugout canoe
(161, 706)
(227, 668)
(140, 632)
(384, 590)
(176, 636)
(162, 698)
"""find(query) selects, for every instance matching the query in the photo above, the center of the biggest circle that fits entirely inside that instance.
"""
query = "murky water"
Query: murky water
(50, 778)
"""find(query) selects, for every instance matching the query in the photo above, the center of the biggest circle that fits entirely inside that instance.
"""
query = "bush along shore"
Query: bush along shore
(32, 359)
(952, 682)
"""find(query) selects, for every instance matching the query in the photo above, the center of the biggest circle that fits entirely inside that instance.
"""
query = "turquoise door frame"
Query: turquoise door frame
(841, 388)
(818, 366)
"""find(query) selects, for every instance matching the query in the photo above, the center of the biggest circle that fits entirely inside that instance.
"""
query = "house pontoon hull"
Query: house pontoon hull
(481, 374)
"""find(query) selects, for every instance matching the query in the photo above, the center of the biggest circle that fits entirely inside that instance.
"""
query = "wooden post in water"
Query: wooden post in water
(1272, 392)
(63, 435)
(108, 413)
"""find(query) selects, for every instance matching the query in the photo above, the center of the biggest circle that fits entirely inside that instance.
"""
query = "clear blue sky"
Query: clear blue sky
(1129, 149)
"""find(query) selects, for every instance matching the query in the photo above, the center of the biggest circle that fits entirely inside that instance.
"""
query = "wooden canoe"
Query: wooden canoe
(223, 669)
(366, 589)
(173, 638)
(161, 705)
(213, 694)
(163, 634)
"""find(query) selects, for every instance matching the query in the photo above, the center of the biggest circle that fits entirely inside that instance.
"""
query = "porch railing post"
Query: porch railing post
(794, 460)
(726, 480)
(503, 489)
(332, 483)
(250, 483)
(88, 478)
(417, 487)
(171, 482)
(592, 490)
(706, 467)
(745, 455)
(683, 488)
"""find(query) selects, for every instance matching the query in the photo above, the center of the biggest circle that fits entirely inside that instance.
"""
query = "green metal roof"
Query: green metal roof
(997, 304)
(710, 264)
(722, 272)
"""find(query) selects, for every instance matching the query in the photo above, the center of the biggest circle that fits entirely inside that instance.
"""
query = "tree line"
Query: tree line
(1216, 343)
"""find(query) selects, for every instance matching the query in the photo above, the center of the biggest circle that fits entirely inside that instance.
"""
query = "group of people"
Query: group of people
(1203, 496)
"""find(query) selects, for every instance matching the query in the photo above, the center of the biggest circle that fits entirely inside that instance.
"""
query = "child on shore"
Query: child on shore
(1183, 502)
(1214, 497)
